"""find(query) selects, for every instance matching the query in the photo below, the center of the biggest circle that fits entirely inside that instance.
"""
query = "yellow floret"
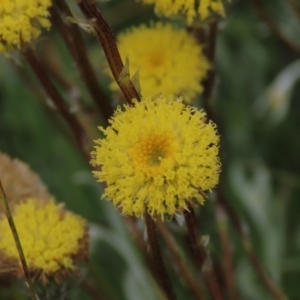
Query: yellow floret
(157, 156)
(190, 9)
(169, 60)
(50, 236)
(21, 21)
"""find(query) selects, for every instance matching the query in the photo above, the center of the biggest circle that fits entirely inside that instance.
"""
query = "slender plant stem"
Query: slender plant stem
(157, 259)
(202, 259)
(262, 13)
(106, 38)
(198, 32)
(209, 81)
(270, 286)
(92, 291)
(178, 260)
(57, 99)
(39, 95)
(142, 245)
(17, 242)
(143, 248)
(295, 9)
(200, 254)
(227, 261)
(268, 283)
(52, 67)
(75, 44)
(139, 239)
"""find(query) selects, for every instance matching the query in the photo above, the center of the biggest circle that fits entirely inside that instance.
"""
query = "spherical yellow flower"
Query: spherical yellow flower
(51, 237)
(190, 9)
(169, 60)
(157, 156)
(21, 21)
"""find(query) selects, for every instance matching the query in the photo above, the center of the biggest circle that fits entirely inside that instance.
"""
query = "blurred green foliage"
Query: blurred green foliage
(257, 111)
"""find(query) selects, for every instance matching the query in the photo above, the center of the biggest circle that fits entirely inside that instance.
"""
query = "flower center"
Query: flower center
(151, 154)
(155, 59)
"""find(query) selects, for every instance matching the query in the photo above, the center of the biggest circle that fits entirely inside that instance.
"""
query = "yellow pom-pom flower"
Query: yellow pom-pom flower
(169, 60)
(190, 9)
(51, 237)
(21, 21)
(157, 157)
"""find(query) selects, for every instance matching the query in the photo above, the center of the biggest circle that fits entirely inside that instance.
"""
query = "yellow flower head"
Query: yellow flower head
(190, 9)
(21, 22)
(52, 238)
(169, 60)
(157, 156)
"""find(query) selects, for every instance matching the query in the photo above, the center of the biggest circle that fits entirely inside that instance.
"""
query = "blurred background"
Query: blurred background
(257, 109)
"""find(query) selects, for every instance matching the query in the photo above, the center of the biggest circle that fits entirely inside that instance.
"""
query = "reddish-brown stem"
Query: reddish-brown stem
(201, 257)
(106, 38)
(199, 34)
(208, 89)
(180, 263)
(227, 262)
(268, 283)
(142, 245)
(209, 82)
(262, 13)
(39, 95)
(55, 96)
(75, 44)
(156, 258)
(295, 9)
(92, 291)
(53, 69)
(193, 235)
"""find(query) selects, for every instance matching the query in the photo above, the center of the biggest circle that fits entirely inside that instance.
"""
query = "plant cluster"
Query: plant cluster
(156, 154)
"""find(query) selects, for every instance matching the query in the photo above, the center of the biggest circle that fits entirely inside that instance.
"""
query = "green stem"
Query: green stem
(17, 242)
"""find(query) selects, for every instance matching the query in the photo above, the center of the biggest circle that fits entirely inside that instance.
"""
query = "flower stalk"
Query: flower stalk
(139, 239)
(263, 14)
(156, 257)
(294, 8)
(17, 242)
(183, 268)
(74, 42)
(222, 224)
(106, 38)
(92, 291)
(200, 255)
(57, 99)
(209, 81)
(246, 242)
